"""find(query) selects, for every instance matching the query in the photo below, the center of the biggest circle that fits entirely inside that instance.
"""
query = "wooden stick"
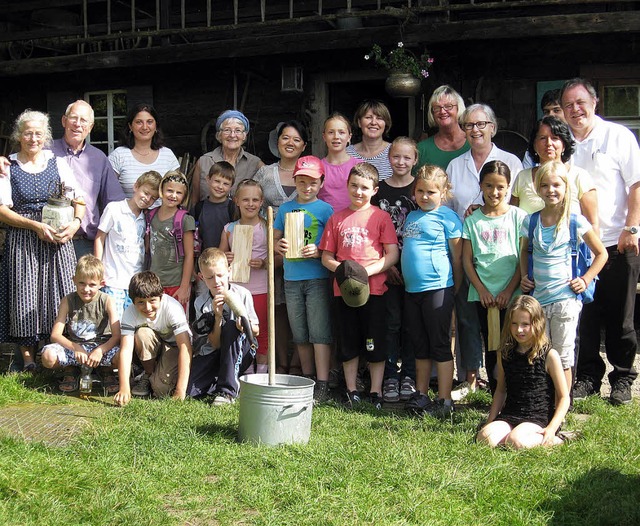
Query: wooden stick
(271, 323)
(294, 234)
(242, 247)
(493, 321)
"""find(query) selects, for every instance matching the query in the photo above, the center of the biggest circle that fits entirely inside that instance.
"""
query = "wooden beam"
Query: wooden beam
(294, 42)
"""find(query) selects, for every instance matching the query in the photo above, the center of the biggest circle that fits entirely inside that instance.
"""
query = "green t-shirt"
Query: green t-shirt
(495, 242)
(429, 153)
(163, 249)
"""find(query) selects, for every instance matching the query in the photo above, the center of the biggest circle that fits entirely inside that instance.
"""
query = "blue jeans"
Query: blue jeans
(468, 329)
(309, 310)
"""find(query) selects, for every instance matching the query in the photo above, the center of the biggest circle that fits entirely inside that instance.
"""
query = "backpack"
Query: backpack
(176, 233)
(581, 257)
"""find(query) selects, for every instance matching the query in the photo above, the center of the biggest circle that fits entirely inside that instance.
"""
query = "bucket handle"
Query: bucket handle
(295, 410)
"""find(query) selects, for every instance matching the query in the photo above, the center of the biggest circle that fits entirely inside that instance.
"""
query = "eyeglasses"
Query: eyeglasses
(446, 107)
(232, 131)
(78, 120)
(31, 135)
(481, 125)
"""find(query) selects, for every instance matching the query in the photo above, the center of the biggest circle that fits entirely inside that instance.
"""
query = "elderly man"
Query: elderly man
(610, 153)
(98, 182)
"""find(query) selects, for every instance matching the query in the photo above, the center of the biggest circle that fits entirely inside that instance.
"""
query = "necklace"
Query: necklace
(143, 154)
(285, 169)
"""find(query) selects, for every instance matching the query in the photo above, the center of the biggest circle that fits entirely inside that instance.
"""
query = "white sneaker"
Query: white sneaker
(460, 391)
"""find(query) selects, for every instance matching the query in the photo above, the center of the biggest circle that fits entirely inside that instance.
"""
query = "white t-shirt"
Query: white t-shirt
(612, 157)
(465, 179)
(123, 254)
(170, 320)
(129, 168)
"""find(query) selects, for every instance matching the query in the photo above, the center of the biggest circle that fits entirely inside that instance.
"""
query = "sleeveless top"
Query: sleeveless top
(530, 391)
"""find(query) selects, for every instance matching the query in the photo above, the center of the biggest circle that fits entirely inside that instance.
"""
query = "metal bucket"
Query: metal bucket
(275, 414)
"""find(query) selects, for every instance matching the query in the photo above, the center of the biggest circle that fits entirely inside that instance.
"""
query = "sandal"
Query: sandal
(111, 384)
(69, 383)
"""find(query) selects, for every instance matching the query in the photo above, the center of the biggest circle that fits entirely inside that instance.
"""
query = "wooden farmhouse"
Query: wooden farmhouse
(282, 59)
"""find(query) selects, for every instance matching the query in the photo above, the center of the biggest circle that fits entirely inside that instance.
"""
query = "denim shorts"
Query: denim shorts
(309, 310)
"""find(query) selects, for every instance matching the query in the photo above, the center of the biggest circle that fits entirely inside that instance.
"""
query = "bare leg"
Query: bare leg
(423, 374)
(376, 370)
(28, 355)
(527, 435)
(305, 351)
(323, 360)
(350, 369)
(472, 377)
(494, 434)
(445, 379)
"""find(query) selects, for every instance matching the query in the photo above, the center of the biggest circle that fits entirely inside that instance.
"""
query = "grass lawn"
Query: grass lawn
(166, 462)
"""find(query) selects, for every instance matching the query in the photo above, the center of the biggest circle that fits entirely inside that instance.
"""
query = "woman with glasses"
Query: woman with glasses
(373, 119)
(479, 124)
(141, 148)
(232, 128)
(449, 141)
(39, 260)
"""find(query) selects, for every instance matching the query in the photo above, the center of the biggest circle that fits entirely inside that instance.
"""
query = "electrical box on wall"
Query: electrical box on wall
(291, 79)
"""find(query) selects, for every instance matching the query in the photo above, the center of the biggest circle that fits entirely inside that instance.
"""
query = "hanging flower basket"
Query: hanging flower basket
(406, 70)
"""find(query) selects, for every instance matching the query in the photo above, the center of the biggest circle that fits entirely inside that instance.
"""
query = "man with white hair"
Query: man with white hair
(610, 153)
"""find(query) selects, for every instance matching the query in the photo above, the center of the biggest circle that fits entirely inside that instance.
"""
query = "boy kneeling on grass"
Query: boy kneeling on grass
(156, 328)
(86, 330)
(222, 350)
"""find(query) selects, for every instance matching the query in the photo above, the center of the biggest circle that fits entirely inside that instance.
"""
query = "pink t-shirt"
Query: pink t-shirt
(359, 235)
(334, 191)
(258, 279)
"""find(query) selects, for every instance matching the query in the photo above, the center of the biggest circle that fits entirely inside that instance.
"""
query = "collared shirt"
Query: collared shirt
(611, 155)
(95, 177)
(246, 167)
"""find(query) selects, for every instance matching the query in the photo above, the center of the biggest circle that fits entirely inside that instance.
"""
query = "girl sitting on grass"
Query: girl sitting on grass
(523, 413)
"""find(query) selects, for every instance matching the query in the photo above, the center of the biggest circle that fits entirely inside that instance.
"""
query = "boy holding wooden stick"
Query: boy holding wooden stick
(306, 284)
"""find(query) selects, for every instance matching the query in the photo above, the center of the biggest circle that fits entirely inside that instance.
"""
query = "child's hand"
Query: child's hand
(80, 355)
(229, 257)
(502, 299)
(218, 305)
(122, 398)
(486, 298)
(394, 277)
(182, 295)
(239, 325)
(282, 246)
(578, 285)
(258, 263)
(526, 284)
(471, 210)
(548, 437)
(93, 359)
(178, 395)
(310, 251)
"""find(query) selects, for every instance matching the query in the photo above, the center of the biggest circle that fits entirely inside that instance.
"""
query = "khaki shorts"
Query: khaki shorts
(149, 346)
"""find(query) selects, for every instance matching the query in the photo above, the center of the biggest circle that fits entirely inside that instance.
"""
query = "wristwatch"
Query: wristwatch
(631, 229)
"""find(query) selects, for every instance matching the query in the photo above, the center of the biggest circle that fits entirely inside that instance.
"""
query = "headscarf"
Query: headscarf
(232, 114)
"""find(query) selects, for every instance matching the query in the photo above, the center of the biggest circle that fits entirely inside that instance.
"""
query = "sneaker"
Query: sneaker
(418, 403)
(321, 392)
(391, 390)
(353, 399)
(223, 399)
(440, 410)
(407, 388)
(582, 389)
(375, 400)
(460, 391)
(142, 387)
(620, 393)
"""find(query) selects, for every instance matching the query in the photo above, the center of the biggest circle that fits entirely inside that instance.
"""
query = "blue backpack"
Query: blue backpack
(581, 257)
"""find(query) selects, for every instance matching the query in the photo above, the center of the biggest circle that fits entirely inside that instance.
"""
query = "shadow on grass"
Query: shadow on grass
(226, 433)
(600, 496)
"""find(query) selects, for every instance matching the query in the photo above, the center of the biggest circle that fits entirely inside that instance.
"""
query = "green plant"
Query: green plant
(402, 60)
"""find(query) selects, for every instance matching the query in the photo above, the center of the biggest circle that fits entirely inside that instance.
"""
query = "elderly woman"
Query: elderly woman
(551, 140)
(450, 141)
(232, 128)
(142, 148)
(374, 121)
(480, 126)
(39, 261)
(278, 186)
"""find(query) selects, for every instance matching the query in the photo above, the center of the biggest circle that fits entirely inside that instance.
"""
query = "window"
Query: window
(621, 104)
(110, 108)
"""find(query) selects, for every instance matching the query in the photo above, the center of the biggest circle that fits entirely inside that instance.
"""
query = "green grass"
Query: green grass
(165, 462)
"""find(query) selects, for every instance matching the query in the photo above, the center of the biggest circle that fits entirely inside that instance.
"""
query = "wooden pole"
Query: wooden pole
(271, 348)
(493, 321)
